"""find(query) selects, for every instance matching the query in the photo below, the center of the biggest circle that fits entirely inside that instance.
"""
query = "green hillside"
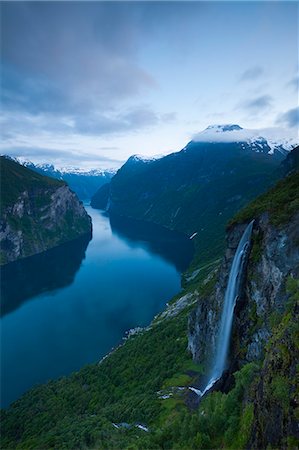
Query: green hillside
(281, 203)
(16, 179)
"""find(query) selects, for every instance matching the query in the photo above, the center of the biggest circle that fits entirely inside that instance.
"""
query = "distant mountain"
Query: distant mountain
(37, 212)
(198, 189)
(264, 140)
(83, 182)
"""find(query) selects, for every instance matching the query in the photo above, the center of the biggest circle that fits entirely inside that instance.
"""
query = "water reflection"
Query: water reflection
(171, 246)
(82, 305)
(47, 271)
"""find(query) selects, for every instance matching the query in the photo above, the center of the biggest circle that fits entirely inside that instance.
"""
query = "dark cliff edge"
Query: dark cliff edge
(37, 213)
(265, 328)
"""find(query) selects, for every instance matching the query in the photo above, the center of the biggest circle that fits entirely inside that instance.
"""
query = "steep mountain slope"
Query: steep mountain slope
(37, 212)
(84, 183)
(196, 190)
(266, 315)
(138, 397)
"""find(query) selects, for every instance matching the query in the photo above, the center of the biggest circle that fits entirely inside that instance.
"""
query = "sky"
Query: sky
(87, 84)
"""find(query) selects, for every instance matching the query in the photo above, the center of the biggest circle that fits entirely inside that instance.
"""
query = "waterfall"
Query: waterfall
(231, 295)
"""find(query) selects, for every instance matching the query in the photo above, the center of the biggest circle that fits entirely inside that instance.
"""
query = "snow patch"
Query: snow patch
(275, 138)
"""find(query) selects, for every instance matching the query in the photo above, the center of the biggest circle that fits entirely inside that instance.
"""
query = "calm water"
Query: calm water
(71, 305)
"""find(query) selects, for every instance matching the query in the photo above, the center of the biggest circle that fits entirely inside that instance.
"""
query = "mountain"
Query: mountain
(267, 140)
(196, 190)
(84, 183)
(142, 395)
(291, 163)
(37, 212)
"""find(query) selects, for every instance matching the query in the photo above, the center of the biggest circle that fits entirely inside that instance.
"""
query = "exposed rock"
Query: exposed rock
(264, 299)
(39, 214)
(177, 306)
(276, 257)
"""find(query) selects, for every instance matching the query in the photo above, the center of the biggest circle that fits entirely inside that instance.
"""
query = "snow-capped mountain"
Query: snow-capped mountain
(66, 170)
(84, 182)
(145, 159)
(267, 140)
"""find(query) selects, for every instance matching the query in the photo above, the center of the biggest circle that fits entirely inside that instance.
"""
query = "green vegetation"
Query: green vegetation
(29, 216)
(16, 179)
(126, 387)
(281, 203)
(100, 406)
(79, 410)
(276, 406)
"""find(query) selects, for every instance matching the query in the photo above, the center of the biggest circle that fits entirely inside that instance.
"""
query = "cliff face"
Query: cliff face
(265, 317)
(37, 213)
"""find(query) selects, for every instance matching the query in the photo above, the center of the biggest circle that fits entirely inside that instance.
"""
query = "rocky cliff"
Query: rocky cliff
(37, 213)
(265, 316)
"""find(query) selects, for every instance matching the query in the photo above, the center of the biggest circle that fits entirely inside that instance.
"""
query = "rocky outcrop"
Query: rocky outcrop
(264, 328)
(275, 397)
(38, 215)
(274, 256)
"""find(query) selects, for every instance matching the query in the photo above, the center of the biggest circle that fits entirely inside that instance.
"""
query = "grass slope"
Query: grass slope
(281, 203)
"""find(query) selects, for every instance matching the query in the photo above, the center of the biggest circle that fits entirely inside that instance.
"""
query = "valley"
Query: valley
(153, 382)
(69, 306)
(149, 225)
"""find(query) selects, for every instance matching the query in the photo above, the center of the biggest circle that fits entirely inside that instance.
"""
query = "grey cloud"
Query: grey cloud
(79, 58)
(252, 73)
(294, 83)
(289, 118)
(169, 117)
(258, 103)
(94, 124)
(132, 120)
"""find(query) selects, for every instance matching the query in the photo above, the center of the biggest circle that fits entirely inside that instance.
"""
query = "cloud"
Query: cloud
(116, 123)
(252, 73)
(274, 134)
(70, 56)
(257, 104)
(290, 118)
(95, 123)
(294, 84)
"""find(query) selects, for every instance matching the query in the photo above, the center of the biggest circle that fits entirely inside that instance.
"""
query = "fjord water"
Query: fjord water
(70, 306)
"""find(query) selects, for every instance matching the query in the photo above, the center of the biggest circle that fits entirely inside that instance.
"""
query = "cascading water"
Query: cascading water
(231, 295)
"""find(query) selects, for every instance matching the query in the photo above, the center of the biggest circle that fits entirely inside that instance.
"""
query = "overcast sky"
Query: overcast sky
(89, 84)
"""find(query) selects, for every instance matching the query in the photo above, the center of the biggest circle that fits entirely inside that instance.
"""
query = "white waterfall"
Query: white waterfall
(231, 295)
